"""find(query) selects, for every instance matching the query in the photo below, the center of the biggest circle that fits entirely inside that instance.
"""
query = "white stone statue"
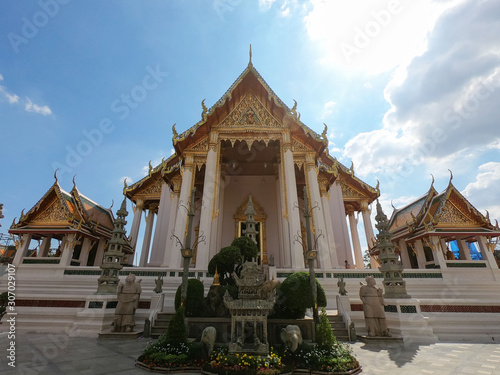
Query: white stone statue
(373, 307)
(291, 337)
(128, 301)
(208, 339)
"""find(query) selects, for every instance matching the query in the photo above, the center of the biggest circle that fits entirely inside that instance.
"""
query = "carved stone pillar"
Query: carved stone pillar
(45, 246)
(136, 223)
(160, 233)
(174, 203)
(22, 249)
(339, 223)
(419, 248)
(188, 173)
(486, 252)
(437, 252)
(405, 258)
(67, 250)
(84, 253)
(464, 250)
(324, 250)
(353, 224)
(208, 203)
(100, 251)
(147, 235)
(296, 252)
(370, 237)
(285, 254)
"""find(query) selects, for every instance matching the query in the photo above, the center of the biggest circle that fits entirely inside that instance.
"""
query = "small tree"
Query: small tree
(248, 248)
(194, 299)
(295, 296)
(324, 333)
(225, 261)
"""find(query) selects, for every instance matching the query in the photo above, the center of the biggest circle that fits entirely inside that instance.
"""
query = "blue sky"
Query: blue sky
(406, 88)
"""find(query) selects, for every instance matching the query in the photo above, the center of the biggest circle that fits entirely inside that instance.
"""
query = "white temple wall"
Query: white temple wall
(160, 232)
(263, 190)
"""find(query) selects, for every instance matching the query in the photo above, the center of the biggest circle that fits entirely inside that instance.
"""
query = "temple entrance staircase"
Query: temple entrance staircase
(160, 325)
(339, 328)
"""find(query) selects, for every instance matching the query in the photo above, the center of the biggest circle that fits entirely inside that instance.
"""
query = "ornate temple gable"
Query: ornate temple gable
(249, 113)
(349, 192)
(450, 214)
(300, 147)
(150, 191)
(56, 201)
(201, 146)
(54, 213)
(454, 205)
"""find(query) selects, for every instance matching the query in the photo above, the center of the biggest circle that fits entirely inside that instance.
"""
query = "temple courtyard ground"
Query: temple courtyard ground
(59, 354)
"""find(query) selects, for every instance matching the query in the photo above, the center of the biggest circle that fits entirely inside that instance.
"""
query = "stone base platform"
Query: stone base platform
(372, 339)
(120, 335)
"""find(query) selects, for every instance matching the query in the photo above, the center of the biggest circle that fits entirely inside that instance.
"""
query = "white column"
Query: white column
(278, 253)
(405, 258)
(419, 248)
(84, 253)
(353, 224)
(182, 207)
(218, 218)
(486, 252)
(100, 251)
(136, 223)
(22, 249)
(437, 252)
(324, 249)
(325, 201)
(160, 236)
(339, 222)
(463, 249)
(45, 246)
(174, 202)
(285, 259)
(147, 235)
(207, 207)
(297, 254)
(67, 250)
(370, 236)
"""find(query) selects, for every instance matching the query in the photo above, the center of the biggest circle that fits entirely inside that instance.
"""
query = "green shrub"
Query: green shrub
(324, 333)
(225, 261)
(295, 296)
(194, 298)
(176, 332)
(248, 248)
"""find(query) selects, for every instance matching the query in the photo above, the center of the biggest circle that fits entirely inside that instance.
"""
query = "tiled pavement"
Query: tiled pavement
(58, 354)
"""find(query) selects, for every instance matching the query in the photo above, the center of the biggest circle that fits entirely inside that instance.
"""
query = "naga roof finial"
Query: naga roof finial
(325, 131)
(250, 55)
(451, 175)
(55, 174)
(74, 182)
(125, 183)
(174, 132)
(204, 109)
(432, 183)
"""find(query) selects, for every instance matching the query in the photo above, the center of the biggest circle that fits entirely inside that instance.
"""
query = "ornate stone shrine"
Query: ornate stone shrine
(249, 312)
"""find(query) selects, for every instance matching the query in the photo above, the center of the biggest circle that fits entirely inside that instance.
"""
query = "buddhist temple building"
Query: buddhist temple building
(443, 230)
(251, 144)
(80, 227)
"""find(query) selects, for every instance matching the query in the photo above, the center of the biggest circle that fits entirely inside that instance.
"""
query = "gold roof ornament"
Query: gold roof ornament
(324, 134)
(150, 168)
(216, 278)
(204, 108)
(250, 55)
(174, 132)
(377, 188)
(451, 175)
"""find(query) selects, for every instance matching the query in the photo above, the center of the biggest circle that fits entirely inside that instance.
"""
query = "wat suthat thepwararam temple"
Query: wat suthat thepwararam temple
(251, 148)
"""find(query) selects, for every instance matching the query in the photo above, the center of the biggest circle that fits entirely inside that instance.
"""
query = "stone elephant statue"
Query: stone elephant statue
(208, 339)
(291, 337)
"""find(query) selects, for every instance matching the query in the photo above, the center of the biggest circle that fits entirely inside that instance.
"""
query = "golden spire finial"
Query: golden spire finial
(174, 132)
(74, 182)
(216, 278)
(451, 175)
(250, 54)
(55, 174)
(125, 183)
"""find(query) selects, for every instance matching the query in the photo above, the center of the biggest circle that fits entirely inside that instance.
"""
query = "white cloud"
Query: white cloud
(328, 109)
(32, 107)
(11, 98)
(484, 193)
(372, 36)
(444, 103)
(1, 77)
(265, 4)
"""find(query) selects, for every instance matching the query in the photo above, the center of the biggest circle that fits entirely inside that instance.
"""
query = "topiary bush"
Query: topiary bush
(225, 261)
(248, 248)
(325, 339)
(194, 298)
(176, 332)
(295, 296)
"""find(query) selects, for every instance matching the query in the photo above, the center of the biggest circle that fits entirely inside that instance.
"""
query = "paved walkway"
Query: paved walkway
(53, 354)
